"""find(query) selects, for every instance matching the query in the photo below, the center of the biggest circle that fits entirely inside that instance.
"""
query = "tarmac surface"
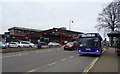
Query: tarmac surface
(108, 62)
(45, 60)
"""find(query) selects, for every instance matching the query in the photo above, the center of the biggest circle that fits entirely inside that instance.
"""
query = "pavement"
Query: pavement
(108, 62)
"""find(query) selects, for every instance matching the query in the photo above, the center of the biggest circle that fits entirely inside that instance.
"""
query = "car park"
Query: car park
(71, 46)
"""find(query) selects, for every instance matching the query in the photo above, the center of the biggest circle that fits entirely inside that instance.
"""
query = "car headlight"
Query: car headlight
(70, 45)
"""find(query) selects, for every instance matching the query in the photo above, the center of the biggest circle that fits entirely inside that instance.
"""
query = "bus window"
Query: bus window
(89, 42)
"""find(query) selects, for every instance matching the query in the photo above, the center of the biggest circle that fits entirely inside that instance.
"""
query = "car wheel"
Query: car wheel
(18, 47)
(30, 46)
(64, 49)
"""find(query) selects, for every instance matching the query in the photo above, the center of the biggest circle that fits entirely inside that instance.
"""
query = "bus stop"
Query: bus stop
(116, 36)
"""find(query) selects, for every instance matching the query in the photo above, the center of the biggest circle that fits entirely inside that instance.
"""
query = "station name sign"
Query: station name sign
(87, 35)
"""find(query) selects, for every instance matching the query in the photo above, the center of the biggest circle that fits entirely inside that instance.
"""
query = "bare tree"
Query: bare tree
(109, 18)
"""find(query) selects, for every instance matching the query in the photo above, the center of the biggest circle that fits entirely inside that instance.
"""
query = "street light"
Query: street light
(70, 22)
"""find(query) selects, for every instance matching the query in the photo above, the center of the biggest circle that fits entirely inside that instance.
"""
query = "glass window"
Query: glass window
(90, 42)
(24, 43)
(70, 43)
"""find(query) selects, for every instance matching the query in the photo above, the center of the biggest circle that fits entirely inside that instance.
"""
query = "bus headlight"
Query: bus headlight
(81, 45)
(96, 50)
(79, 50)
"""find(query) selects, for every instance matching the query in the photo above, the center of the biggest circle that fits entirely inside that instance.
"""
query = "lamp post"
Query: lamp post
(70, 22)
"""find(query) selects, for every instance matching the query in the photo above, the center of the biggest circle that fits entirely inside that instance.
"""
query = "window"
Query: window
(91, 42)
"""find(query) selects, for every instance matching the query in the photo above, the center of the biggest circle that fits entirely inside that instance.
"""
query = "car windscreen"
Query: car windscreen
(70, 43)
(24, 43)
(89, 42)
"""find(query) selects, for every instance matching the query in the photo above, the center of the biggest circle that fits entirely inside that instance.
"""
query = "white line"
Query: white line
(19, 54)
(71, 56)
(52, 63)
(63, 59)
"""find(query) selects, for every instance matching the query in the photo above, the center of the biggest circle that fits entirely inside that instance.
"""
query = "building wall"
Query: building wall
(12, 32)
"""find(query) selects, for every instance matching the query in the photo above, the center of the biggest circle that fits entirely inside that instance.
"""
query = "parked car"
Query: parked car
(27, 44)
(2, 45)
(14, 45)
(53, 44)
(71, 46)
(56, 44)
(7, 44)
(42, 43)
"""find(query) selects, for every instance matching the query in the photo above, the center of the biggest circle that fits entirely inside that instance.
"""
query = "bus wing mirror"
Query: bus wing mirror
(101, 39)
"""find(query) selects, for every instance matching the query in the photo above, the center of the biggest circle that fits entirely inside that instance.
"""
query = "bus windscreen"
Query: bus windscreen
(89, 42)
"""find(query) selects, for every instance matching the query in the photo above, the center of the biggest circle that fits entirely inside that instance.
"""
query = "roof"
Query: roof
(114, 34)
(20, 28)
(56, 30)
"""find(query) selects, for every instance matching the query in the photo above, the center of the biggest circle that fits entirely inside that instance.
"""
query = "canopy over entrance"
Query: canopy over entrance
(114, 34)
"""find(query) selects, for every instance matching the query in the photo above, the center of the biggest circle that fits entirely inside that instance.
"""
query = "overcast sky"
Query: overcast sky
(46, 15)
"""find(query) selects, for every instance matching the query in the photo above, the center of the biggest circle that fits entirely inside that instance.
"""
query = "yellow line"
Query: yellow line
(63, 59)
(32, 70)
(92, 64)
(52, 63)
(104, 50)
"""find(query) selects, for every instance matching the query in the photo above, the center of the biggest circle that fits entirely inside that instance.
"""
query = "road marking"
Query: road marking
(52, 63)
(71, 56)
(77, 54)
(32, 70)
(92, 64)
(104, 50)
(14, 55)
(63, 59)
(19, 54)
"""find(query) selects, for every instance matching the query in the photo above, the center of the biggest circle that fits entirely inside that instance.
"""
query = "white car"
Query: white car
(51, 44)
(57, 44)
(15, 45)
(27, 44)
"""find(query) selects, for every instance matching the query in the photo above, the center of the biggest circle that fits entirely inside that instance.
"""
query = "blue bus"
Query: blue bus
(89, 43)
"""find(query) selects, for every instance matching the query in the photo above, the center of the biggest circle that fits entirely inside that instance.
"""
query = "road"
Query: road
(45, 60)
